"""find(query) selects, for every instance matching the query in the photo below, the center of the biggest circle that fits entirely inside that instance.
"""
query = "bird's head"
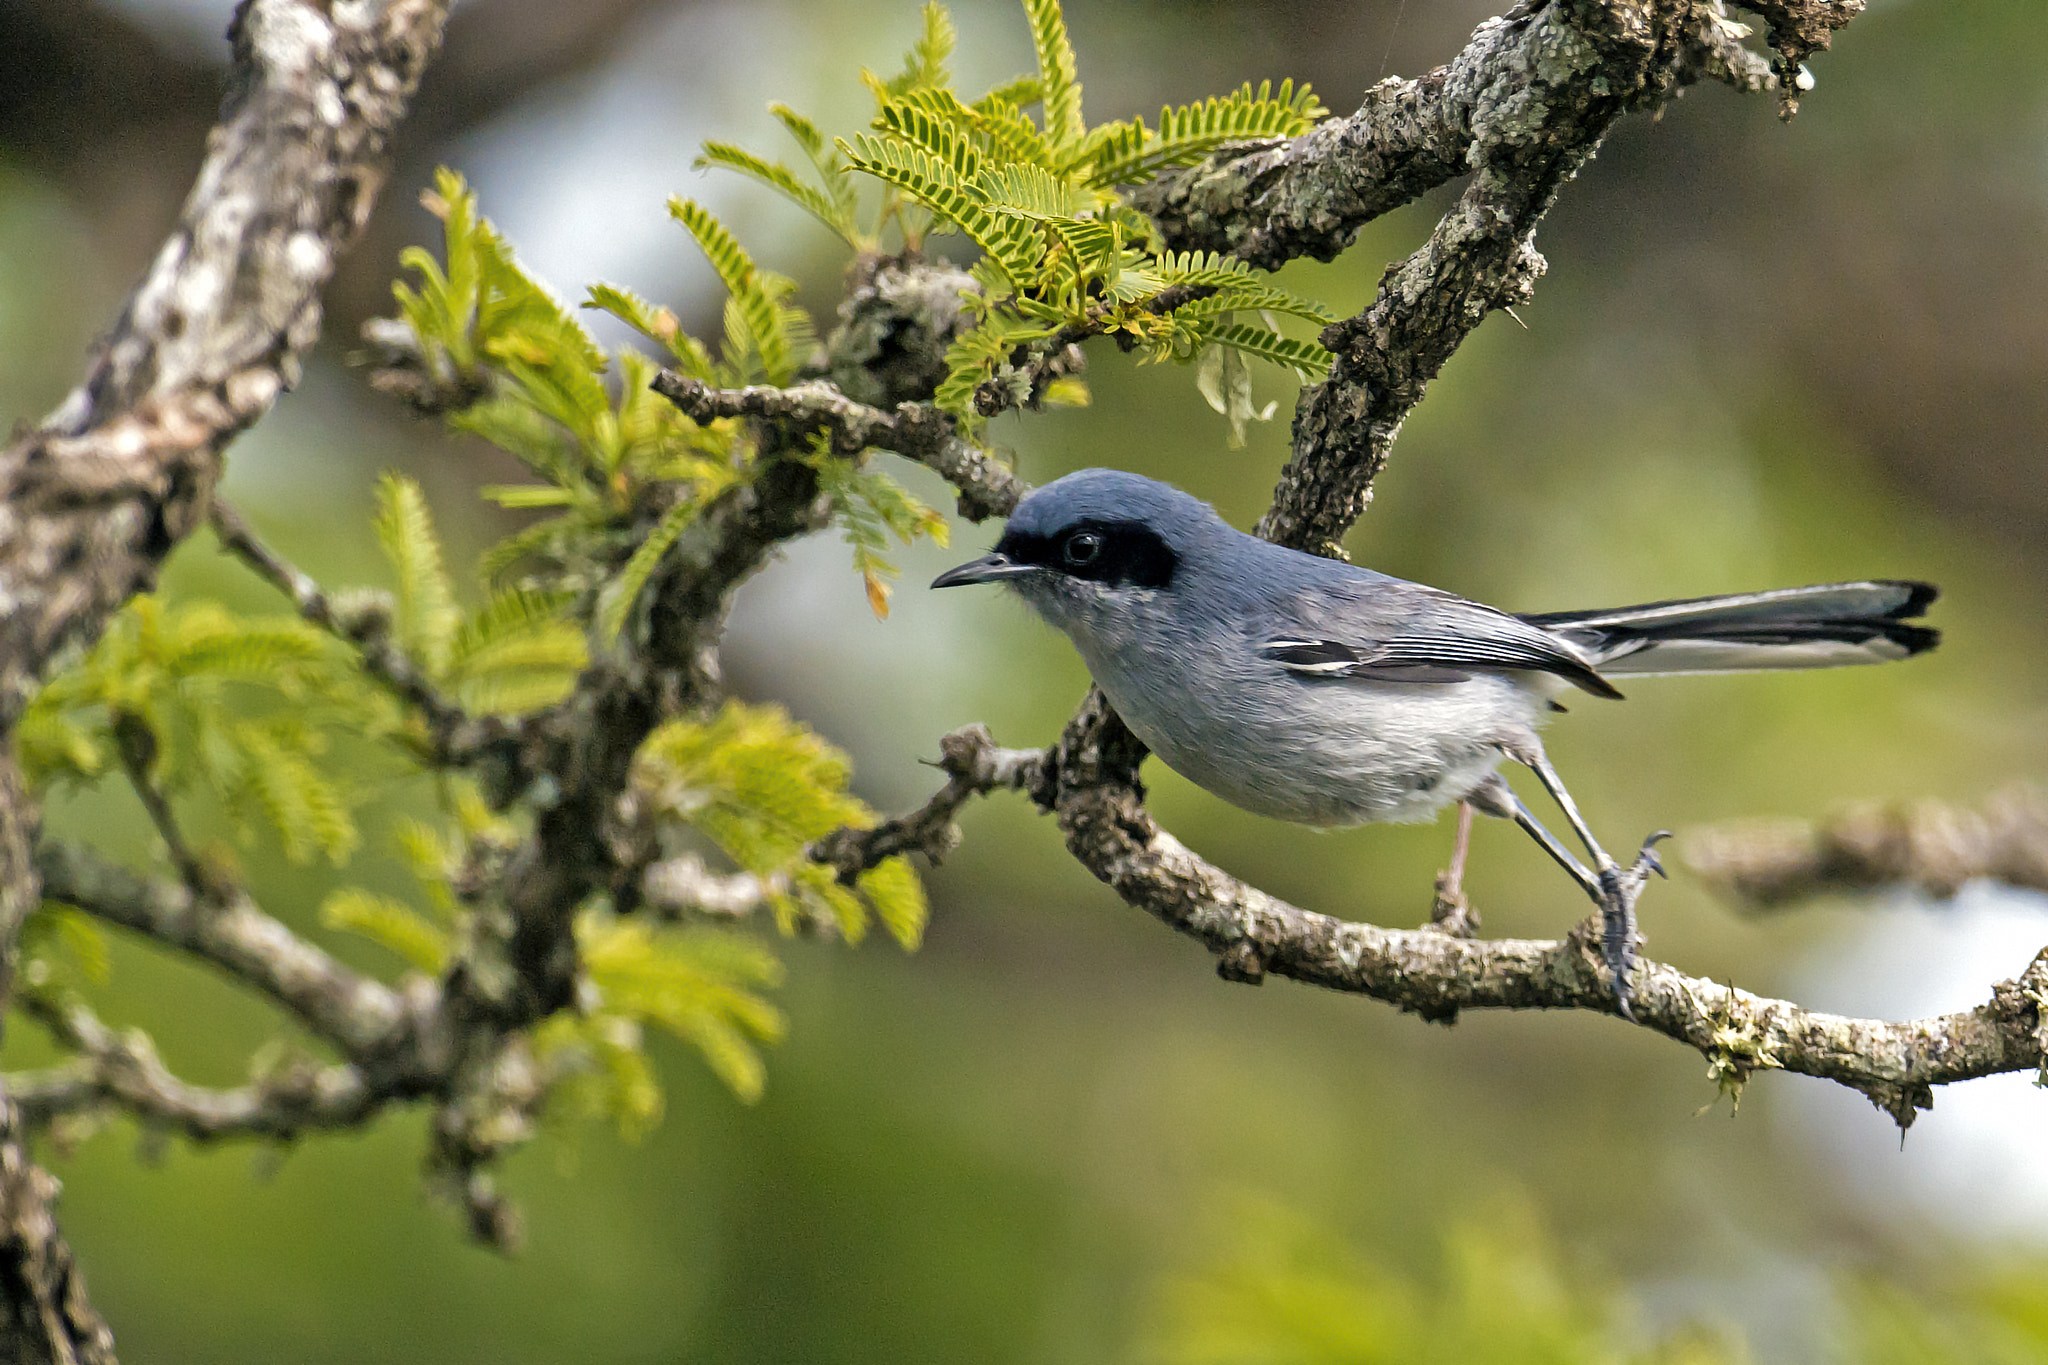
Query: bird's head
(1092, 540)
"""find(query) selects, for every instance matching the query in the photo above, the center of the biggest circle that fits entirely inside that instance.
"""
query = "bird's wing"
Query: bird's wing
(1393, 631)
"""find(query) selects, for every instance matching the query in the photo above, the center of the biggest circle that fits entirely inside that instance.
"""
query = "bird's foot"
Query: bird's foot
(1450, 913)
(1620, 888)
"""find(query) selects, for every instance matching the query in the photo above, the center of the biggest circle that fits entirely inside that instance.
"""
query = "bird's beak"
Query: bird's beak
(987, 569)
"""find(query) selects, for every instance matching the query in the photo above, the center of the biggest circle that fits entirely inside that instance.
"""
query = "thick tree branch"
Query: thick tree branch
(1551, 83)
(1930, 846)
(93, 499)
(1270, 203)
(222, 926)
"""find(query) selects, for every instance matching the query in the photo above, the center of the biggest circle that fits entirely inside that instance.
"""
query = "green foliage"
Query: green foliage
(390, 922)
(872, 508)
(761, 788)
(1293, 1291)
(62, 949)
(772, 337)
(1061, 251)
(698, 984)
(196, 697)
(624, 477)
(518, 652)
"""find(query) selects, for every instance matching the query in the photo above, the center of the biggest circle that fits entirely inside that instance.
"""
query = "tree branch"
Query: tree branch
(94, 499)
(456, 737)
(1930, 846)
(124, 1070)
(974, 766)
(223, 927)
(1535, 99)
(1437, 974)
(916, 431)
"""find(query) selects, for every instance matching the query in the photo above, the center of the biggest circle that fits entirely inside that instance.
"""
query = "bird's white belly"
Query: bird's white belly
(1335, 752)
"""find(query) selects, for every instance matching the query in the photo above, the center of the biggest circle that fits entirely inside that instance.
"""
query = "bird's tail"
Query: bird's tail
(1818, 627)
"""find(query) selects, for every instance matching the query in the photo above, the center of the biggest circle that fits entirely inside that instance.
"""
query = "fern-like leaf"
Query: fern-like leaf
(658, 325)
(766, 319)
(698, 985)
(1190, 132)
(1305, 358)
(390, 923)
(1059, 83)
(427, 615)
(782, 179)
(893, 889)
(824, 157)
(938, 184)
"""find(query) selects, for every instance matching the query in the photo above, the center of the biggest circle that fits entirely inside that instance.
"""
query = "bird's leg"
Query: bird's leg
(1610, 887)
(1496, 797)
(1451, 912)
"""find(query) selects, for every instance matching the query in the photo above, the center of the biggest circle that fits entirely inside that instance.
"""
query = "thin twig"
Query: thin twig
(916, 431)
(365, 625)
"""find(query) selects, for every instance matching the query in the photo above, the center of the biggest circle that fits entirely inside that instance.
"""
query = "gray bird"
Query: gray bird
(1319, 692)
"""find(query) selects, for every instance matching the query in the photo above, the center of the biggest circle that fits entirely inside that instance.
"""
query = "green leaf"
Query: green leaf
(831, 212)
(524, 495)
(941, 186)
(698, 984)
(390, 923)
(1190, 132)
(517, 654)
(1305, 358)
(1059, 83)
(302, 802)
(924, 66)
(1251, 296)
(976, 356)
(427, 615)
(893, 889)
(623, 591)
(658, 325)
(766, 318)
(824, 157)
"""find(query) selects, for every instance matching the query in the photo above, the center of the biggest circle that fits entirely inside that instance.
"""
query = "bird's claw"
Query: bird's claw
(1619, 891)
(1646, 856)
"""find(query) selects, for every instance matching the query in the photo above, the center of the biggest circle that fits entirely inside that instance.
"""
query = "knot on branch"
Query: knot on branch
(1901, 1103)
(894, 327)
(1240, 962)
(1800, 28)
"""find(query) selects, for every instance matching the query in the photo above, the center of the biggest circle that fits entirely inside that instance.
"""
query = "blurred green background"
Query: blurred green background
(1765, 354)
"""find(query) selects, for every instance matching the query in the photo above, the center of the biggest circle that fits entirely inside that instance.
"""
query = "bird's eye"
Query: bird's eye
(1082, 549)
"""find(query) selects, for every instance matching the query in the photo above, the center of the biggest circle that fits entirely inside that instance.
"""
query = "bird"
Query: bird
(1327, 694)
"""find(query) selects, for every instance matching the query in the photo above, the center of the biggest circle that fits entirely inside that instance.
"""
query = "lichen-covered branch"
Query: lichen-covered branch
(1552, 80)
(1268, 204)
(1437, 974)
(1932, 847)
(223, 927)
(93, 499)
(916, 431)
(123, 1071)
